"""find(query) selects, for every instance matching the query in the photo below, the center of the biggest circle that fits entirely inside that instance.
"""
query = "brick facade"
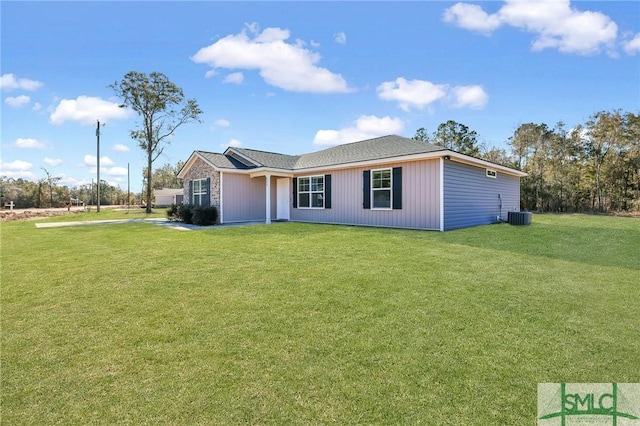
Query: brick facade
(201, 170)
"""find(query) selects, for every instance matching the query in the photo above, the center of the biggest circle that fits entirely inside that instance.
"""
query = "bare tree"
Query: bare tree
(162, 109)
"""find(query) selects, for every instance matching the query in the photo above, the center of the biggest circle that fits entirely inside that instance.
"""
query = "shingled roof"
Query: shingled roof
(222, 161)
(367, 150)
(376, 149)
(270, 159)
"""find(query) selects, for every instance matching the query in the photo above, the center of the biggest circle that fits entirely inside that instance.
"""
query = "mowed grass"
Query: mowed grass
(312, 324)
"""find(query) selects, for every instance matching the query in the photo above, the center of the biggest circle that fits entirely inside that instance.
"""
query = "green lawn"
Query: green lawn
(312, 324)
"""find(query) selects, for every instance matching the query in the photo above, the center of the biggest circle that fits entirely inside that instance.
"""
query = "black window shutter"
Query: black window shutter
(366, 189)
(397, 187)
(190, 198)
(295, 193)
(327, 191)
(207, 198)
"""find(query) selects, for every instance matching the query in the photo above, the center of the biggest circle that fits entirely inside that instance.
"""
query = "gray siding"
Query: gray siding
(420, 199)
(471, 198)
(243, 198)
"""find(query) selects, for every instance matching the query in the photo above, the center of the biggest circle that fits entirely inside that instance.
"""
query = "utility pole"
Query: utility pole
(98, 164)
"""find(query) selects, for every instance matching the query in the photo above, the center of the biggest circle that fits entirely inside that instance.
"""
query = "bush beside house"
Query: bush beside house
(191, 214)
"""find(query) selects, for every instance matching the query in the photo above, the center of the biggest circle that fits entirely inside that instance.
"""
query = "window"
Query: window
(199, 190)
(492, 173)
(381, 189)
(311, 192)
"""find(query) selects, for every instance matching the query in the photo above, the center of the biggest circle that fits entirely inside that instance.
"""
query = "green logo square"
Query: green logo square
(595, 404)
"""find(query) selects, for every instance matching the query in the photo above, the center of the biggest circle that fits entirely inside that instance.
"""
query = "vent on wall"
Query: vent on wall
(519, 218)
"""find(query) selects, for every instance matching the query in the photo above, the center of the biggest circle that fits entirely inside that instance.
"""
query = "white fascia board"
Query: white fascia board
(373, 163)
(454, 156)
(472, 161)
(264, 171)
(416, 157)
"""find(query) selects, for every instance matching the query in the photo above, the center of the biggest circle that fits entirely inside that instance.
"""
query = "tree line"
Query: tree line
(593, 167)
(47, 191)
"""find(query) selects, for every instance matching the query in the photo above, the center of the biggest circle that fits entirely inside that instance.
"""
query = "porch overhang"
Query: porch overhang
(263, 171)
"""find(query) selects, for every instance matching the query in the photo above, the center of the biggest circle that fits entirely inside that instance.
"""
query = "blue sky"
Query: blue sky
(295, 77)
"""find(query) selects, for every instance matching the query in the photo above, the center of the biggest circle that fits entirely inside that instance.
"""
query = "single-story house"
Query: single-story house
(389, 181)
(166, 196)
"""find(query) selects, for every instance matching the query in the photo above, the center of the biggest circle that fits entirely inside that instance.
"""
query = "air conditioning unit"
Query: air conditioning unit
(519, 218)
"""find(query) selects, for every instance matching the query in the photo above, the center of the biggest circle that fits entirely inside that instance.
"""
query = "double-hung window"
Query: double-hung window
(381, 188)
(199, 189)
(311, 192)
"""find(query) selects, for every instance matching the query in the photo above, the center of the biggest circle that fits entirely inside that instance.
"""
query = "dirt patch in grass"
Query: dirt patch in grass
(31, 214)
(34, 213)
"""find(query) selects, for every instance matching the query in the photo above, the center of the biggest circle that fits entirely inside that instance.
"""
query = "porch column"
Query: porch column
(268, 199)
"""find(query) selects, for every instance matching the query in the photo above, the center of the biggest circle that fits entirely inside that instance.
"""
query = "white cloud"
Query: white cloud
(116, 171)
(232, 143)
(120, 148)
(29, 143)
(37, 106)
(10, 82)
(17, 169)
(53, 162)
(469, 96)
(16, 166)
(221, 122)
(91, 161)
(366, 127)
(632, 46)
(340, 38)
(17, 101)
(555, 23)
(417, 94)
(411, 93)
(86, 110)
(288, 66)
(471, 17)
(235, 78)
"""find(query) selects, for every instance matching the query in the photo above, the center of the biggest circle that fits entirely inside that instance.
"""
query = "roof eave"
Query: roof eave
(374, 162)
(472, 161)
(264, 171)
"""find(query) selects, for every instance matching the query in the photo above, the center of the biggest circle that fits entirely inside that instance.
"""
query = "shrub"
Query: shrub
(197, 215)
(205, 216)
(172, 212)
(185, 213)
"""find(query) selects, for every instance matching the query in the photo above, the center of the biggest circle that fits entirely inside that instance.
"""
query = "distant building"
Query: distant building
(166, 196)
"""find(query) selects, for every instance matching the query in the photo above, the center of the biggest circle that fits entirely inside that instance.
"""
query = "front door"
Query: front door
(282, 195)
